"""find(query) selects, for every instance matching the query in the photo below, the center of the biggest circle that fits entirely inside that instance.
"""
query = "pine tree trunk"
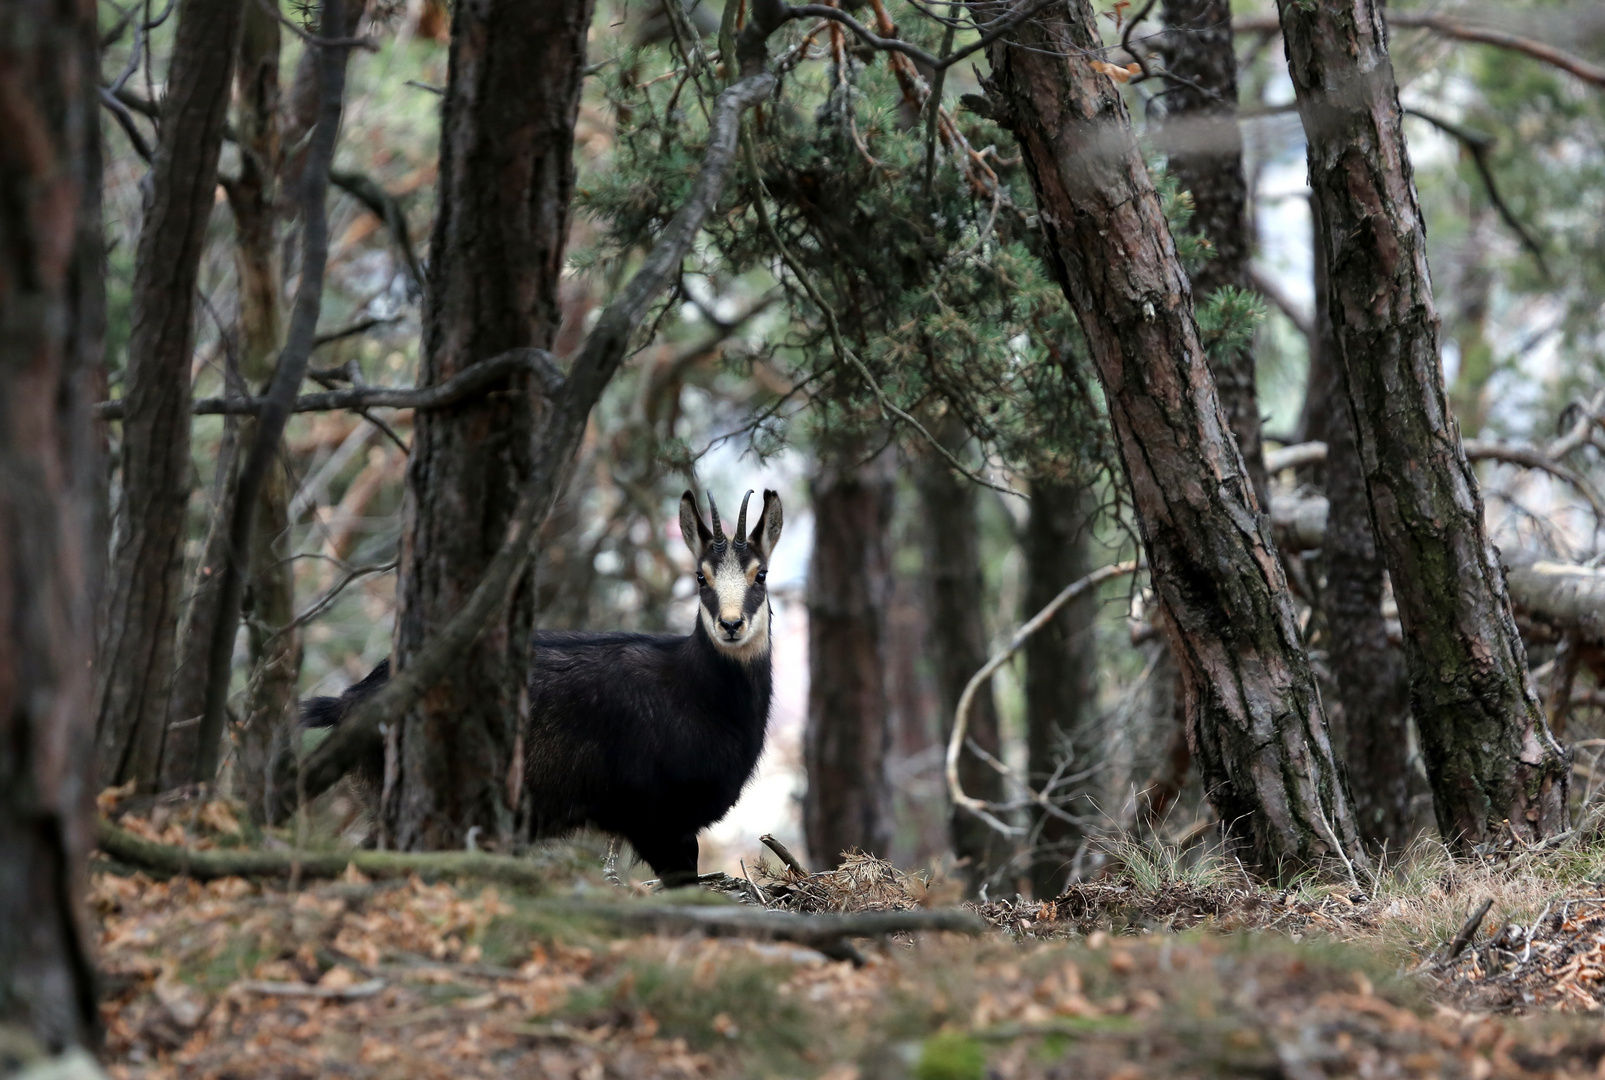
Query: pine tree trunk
(506, 180)
(51, 545)
(1254, 714)
(845, 746)
(1373, 689)
(956, 636)
(1205, 154)
(1488, 749)
(1061, 675)
(136, 647)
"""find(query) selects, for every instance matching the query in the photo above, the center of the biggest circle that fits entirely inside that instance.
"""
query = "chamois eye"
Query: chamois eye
(763, 575)
(702, 579)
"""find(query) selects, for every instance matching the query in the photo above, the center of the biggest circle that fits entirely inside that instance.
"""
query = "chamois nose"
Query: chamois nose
(730, 626)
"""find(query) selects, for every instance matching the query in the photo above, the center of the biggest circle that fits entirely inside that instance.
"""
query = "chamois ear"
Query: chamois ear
(766, 533)
(692, 530)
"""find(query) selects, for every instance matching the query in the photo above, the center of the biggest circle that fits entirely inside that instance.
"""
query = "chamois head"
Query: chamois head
(731, 574)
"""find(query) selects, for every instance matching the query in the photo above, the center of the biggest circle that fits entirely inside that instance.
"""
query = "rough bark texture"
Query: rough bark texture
(849, 583)
(506, 178)
(51, 320)
(275, 656)
(1254, 714)
(956, 639)
(1373, 689)
(1060, 676)
(1488, 749)
(1204, 152)
(136, 648)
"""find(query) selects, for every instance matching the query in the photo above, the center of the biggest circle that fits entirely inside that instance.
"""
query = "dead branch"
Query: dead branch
(961, 715)
(308, 990)
(829, 934)
(1532, 457)
(1460, 31)
(1302, 320)
(1468, 930)
(465, 384)
(1479, 145)
(783, 853)
(135, 851)
(279, 401)
(1554, 597)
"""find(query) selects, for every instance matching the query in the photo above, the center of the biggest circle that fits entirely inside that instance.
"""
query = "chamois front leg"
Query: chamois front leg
(672, 858)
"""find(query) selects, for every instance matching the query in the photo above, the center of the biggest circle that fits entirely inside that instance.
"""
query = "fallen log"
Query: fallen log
(1552, 598)
(136, 851)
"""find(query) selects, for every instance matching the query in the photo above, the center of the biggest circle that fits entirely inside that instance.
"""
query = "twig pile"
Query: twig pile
(861, 883)
(1558, 962)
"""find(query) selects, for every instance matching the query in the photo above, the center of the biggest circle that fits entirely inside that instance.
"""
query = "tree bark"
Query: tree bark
(53, 318)
(136, 648)
(848, 738)
(1373, 688)
(506, 180)
(1489, 751)
(1254, 713)
(253, 197)
(1204, 152)
(1061, 676)
(957, 646)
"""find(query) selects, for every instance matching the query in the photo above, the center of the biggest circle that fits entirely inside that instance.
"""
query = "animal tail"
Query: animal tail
(323, 712)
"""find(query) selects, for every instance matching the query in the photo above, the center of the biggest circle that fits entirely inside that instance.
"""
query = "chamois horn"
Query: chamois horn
(741, 522)
(718, 529)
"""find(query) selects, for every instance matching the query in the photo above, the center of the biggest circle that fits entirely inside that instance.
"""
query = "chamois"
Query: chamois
(650, 737)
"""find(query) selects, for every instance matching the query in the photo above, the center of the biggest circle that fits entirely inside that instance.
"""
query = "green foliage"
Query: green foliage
(938, 295)
(951, 1055)
(1227, 319)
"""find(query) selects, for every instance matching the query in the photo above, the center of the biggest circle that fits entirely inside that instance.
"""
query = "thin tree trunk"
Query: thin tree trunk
(1489, 752)
(1373, 689)
(957, 645)
(275, 655)
(849, 583)
(1060, 677)
(136, 648)
(53, 314)
(1204, 151)
(1254, 713)
(506, 180)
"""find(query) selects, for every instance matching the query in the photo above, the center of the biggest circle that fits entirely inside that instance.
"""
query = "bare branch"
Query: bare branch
(1479, 145)
(1460, 31)
(1279, 299)
(463, 385)
(280, 399)
(961, 715)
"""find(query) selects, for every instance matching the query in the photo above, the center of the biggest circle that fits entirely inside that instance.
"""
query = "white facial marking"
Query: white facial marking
(729, 582)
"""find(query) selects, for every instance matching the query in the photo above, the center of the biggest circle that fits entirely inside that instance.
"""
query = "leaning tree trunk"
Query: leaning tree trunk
(845, 745)
(1254, 713)
(1488, 749)
(1372, 686)
(136, 647)
(956, 636)
(52, 309)
(1061, 677)
(506, 180)
(1204, 152)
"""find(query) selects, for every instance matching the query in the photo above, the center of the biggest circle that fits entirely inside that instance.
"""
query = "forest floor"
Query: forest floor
(1163, 969)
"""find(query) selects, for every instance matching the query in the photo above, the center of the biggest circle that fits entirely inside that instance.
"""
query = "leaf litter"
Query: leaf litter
(232, 978)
